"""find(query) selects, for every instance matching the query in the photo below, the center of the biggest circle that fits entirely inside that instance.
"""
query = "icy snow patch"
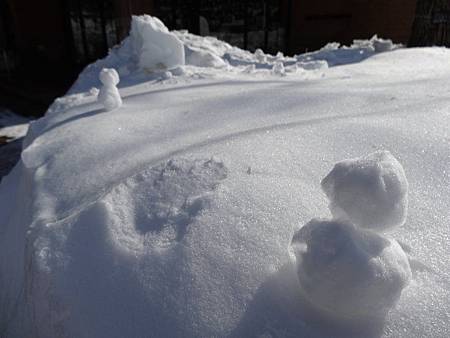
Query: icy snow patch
(155, 47)
(371, 192)
(347, 272)
(109, 95)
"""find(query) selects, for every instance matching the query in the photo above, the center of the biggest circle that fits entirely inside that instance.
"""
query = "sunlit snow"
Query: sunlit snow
(173, 215)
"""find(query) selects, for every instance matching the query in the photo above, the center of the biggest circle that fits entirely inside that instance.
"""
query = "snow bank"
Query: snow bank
(347, 272)
(155, 47)
(109, 95)
(371, 191)
(121, 226)
(151, 49)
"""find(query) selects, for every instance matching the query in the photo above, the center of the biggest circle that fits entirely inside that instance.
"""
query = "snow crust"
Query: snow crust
(371, 192)
(173, 215)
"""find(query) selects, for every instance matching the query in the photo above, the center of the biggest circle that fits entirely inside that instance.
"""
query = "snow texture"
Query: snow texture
(347, 272)
(371, 192)
(109, 95)
(155, 47)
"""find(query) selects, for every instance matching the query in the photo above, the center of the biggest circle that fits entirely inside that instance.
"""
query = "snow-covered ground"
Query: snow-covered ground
(173, 214)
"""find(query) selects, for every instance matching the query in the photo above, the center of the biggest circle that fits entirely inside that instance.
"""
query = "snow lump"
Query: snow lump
(370, 192)
(156, 48)
(347, 272)
(109, 95)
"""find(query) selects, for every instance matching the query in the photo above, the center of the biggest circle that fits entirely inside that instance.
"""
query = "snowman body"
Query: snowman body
(109, 95)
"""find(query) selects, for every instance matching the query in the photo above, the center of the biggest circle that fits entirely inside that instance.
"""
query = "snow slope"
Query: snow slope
(173, 214)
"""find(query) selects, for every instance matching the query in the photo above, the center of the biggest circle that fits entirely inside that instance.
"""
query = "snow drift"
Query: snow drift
(172, 215)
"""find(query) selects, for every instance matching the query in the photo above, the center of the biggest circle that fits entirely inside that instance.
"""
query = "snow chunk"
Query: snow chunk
(203, 58)
(109, 95)
(155, 47)
(313, 65)
(371, 191)
(347, 272)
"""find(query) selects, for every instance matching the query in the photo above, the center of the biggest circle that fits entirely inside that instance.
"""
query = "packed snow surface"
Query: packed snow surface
(173, 215)
(371, 192)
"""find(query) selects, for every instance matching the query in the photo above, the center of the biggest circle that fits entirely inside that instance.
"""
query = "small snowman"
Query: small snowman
(347, 267)
(109, 95)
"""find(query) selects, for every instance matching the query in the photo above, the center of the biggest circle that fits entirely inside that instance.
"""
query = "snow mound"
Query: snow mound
(151, 49)
(155, 47)
(335, 54)
(348, 272)
(109, 95)
(371, 192)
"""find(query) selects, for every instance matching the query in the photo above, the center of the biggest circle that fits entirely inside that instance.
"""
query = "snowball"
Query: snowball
(347, 272)
(109, 95)
(155, 47)
(93, 91)
(370, 191)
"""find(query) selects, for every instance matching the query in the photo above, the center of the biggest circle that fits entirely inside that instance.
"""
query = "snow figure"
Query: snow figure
(155, 47)
(260, 56)
(371, 192)
(347, 272)
(109, 95)
(278, 68)
(346, 269)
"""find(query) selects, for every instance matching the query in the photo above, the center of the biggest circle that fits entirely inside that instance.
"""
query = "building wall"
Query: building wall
(314, 23)
(39, 32)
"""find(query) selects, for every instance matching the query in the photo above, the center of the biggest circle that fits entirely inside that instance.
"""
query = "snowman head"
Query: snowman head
(109, 77)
